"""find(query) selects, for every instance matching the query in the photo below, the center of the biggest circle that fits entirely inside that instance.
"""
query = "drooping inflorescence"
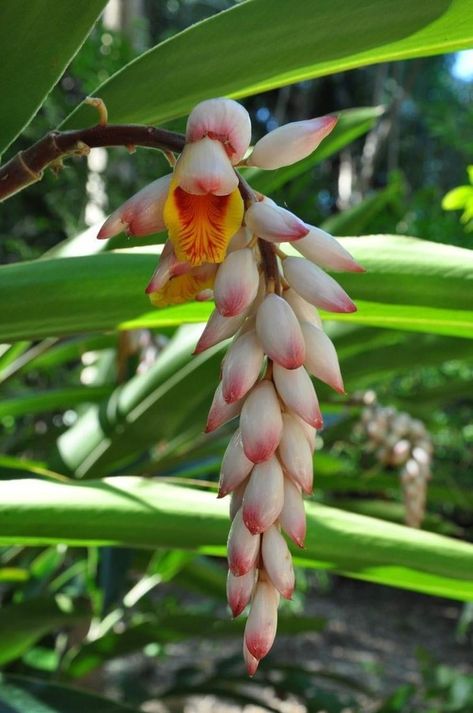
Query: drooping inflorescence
(224, 244)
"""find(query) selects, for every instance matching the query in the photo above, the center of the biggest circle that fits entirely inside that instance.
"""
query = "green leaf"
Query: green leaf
(28, 695)
(142, 513)
(53, 400)
(38, 40)
(409, 284)
(270, 43)
(22, 624)
(457, 198)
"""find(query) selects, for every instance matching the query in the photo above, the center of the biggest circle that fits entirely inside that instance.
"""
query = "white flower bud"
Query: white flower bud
(241, 366)
(295, 454)
(295, 388)
(235, 466)
(304, 311)
(264, 496)
(262, 620)
(292, 516)
(242, 547)
(320, 247)
(291, 142)
(261, 422)
(220, 411)
(223, 120)
(218, 329)
(321, 358)
(237, 282)
(277, 561)
(279, 332)
(315, 286)
(239, 590)
(142, 214)
(273, 223)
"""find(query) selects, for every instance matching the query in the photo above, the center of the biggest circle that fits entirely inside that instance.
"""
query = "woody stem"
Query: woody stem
(28, 166)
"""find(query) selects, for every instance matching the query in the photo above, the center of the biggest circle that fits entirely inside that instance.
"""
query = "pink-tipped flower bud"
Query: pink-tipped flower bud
(304, 311)
(218, 329)
(279, 332)
(262, 621)
(142, 214)
(321, 358)
(291, 142)
(297, 391)
(250, 661)
(168, 267)
(221, 412)
(241, 366)
(273, 223)
(236, 499)
(242, 547)
(239, 590)
(292, 516)
(309, 432)
(264, 496)
(261, 422)
(236, 467)
(295, 454)
(315, 286)
(204, 167)
(277, 561)
(240, 240)
(223, 120)
(320, 247)
(237, 282)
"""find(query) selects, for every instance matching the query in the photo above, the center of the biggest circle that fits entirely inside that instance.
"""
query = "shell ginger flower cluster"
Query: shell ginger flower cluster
(224, 244)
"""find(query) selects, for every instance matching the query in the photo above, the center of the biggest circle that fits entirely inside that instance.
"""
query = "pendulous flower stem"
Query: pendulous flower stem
(28, 166)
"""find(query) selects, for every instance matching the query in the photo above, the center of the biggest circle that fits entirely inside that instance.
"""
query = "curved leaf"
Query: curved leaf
(28, 695)
(409, 284)
(38, 40)
(270, 43)
(142, 513)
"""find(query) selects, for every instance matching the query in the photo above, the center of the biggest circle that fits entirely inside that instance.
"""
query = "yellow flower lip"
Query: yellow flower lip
(201, 226)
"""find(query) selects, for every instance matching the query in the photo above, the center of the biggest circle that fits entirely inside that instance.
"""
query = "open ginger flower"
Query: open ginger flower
(223, 243)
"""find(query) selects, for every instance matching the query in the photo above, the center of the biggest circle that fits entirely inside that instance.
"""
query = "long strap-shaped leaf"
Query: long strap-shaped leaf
(262, 44)
(144, 513)
(38, 39)
(409, 284)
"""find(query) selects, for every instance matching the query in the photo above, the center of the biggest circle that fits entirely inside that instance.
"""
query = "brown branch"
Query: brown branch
(28, 166)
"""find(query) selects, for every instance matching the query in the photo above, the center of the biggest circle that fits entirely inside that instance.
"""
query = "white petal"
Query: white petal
(241, 366)
(261, 422)
(279, 332)
(142, 214)
(295, 388)
(264, 496)
(224, 120)
(320, 247)
(235, 468)
(204, 167)
(315, 286)
(321, 358)
(291, 142)
(277, 561)
(237, 282)
(273, 223)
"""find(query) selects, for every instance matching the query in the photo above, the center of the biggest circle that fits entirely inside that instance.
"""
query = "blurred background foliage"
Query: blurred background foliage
(119, 620)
